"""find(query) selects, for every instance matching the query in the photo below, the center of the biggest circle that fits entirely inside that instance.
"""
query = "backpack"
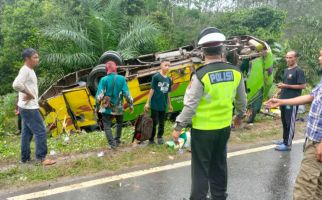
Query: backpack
(143, 128)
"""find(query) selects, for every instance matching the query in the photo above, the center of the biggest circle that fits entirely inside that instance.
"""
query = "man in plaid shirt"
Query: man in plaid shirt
(309, 180)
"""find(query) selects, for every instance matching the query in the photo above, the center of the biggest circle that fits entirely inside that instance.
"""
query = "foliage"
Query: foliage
(134, 7)
(141, 34)
(265, 23)
(308, 41)
(187, 25)
(15, 38)
(21, 24)
(279, 52)
(72, 35)
(76, 47)
(7, 114)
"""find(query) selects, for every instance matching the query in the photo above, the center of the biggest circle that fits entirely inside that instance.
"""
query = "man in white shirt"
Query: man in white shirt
(27, 86)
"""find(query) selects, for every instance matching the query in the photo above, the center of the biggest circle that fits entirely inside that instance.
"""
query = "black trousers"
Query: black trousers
(209, 163)
(288, 117)
(107, 122)
(158, 118)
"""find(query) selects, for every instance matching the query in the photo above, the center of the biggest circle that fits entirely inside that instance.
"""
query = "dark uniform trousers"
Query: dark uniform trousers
(209, 163)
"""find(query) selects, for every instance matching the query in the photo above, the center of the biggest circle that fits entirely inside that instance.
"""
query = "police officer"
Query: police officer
(208, 102)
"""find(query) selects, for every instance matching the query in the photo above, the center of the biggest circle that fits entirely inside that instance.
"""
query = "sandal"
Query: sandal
(48, 162)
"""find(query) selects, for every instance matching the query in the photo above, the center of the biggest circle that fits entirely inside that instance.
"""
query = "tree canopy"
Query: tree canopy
(71, 35)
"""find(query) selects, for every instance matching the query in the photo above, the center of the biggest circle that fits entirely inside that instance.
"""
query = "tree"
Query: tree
(91, 28)
(72, 34)
(21, 27)
(308, 41)
(75, 45)
(105, 30)
(18, 32)
(265, 23)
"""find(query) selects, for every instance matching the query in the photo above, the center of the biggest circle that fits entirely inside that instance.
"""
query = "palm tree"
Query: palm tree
(77, 45)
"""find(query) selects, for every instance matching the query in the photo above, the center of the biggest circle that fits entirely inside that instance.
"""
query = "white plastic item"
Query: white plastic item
(100, 154)
(301, 109)
(188, 141)
(53, 153)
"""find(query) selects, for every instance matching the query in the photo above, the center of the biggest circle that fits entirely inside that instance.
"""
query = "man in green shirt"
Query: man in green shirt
(159, 100)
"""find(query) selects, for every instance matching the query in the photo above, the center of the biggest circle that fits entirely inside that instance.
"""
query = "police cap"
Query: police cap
(210, 36)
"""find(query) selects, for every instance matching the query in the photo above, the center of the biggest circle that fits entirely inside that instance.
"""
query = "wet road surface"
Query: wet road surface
(263, 175)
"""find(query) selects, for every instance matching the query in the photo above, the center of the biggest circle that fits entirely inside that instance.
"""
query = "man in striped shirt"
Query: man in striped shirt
(309, 180)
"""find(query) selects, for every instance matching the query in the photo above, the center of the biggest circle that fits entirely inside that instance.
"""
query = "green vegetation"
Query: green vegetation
(78, 156)
(113, 161)
(77, 143)
(8, 124)
(72, 35)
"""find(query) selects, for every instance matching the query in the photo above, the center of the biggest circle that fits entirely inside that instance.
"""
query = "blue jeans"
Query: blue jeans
(32, 124)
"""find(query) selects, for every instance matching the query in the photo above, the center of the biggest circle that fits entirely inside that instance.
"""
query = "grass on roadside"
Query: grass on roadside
(77, 143)
(150, 155)
(85, 147)
(265, 128)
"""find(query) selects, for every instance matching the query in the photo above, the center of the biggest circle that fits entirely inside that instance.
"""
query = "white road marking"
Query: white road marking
(258, 149)
(130, 175)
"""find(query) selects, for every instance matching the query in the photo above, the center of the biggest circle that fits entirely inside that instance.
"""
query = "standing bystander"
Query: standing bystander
(293, 83)
(159, 100)
(308, 183)
(32, 123)
(112, 89)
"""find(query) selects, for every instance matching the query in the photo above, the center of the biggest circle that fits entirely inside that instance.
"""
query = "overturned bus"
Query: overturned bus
(68, 105)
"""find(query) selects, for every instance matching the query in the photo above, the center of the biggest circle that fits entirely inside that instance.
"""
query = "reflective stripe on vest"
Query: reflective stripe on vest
(215, 109)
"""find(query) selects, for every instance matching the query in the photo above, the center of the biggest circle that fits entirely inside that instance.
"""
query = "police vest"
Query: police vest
(215, 110)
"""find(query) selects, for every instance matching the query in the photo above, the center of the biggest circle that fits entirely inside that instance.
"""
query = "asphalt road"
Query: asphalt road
(263, 175)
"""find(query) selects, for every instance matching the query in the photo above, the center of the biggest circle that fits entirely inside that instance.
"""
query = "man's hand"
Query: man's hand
(175, 136)
(282, 85)
(237, 122)
(146, 107)
(28, 97)
(318, 152)
(272, 103)
(170, 108)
